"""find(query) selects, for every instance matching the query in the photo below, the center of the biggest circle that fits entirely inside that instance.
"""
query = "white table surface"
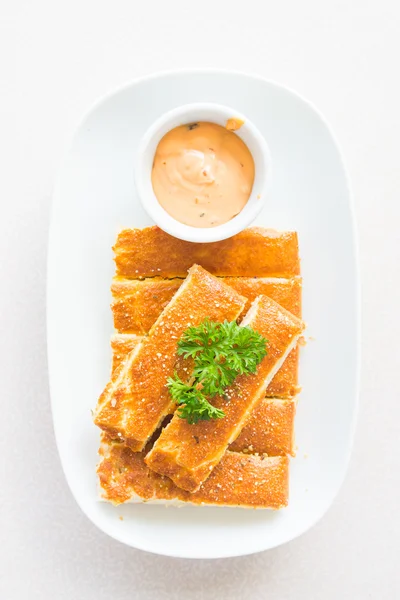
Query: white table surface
(57, 58)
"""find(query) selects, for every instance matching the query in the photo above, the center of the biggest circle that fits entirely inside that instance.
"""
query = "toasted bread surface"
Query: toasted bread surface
(254, 252)
(137, 305)
(239, 480)
(269, 429)
(187, 453)
(136, 400)
(122, 345)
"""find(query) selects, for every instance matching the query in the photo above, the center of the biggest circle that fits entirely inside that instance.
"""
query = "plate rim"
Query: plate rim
(164, 74)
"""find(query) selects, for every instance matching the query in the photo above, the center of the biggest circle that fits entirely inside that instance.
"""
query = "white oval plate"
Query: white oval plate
(95, 197)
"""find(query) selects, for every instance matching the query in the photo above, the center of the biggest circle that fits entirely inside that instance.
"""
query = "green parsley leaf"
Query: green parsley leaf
(194, 406)
(221, 352)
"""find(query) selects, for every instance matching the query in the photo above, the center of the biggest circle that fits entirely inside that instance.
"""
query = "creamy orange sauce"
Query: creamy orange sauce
(202, 174)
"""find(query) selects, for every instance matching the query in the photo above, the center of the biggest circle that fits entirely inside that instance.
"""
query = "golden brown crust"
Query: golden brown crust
(122, 344)
(188, 453)
(269, 430)
(239, 480)
(137, 305)
(286, 292)
(255, 252)
(270, 426)
(135, 402)
(285, 382)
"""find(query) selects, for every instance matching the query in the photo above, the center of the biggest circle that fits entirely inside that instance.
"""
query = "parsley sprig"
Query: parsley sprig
(221, 352)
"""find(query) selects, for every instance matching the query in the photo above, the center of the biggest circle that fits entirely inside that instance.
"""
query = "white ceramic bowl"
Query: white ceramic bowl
(214, 113)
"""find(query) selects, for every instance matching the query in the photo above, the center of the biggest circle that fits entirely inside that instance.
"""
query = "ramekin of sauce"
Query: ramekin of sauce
(202, 172)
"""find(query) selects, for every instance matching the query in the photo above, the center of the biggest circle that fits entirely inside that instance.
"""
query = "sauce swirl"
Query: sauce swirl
(202, 174)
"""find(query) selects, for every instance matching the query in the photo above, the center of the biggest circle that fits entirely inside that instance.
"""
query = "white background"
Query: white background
(56, 59)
